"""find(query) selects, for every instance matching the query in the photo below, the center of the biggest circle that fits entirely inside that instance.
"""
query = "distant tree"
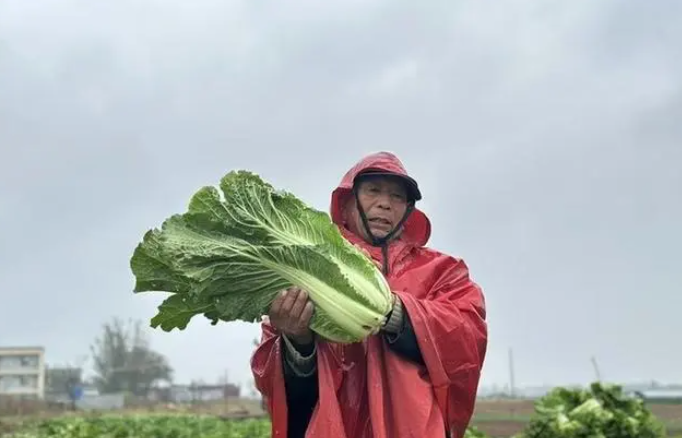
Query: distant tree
(124, 360)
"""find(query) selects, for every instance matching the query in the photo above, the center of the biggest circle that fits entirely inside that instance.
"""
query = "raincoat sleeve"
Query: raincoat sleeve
(301, 388)
(452, 335)
(291, 390)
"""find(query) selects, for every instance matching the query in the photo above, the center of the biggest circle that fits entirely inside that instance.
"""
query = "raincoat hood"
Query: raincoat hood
(417, 228)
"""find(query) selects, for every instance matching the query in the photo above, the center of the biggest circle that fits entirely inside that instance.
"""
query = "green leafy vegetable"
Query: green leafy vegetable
(473, 432)
(154, 426)
(235, 248)
(145, 426)
(603, 411)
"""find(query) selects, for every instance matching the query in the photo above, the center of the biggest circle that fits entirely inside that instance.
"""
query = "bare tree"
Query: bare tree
(124, 360)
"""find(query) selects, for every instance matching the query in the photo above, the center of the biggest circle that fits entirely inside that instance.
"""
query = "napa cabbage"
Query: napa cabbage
(602, 411)
(241, 243)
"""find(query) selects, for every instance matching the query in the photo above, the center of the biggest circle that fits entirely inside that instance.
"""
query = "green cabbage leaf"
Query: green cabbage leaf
(602, 411)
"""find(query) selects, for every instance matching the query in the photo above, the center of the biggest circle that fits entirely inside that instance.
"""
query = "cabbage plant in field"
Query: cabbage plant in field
(602, 411)
(240, 244)
(473, 432)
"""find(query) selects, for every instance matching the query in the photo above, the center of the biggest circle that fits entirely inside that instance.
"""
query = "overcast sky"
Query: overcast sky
(547, 137)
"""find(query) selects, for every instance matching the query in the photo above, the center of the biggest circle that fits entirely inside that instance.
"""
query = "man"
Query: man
(419, 376)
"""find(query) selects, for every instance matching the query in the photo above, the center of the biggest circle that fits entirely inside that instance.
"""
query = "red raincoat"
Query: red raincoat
(365, 389)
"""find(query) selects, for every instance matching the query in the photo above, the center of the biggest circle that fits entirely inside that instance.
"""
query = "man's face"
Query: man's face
(384, 201)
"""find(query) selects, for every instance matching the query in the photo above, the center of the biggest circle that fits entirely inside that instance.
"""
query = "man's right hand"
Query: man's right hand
(290, 313)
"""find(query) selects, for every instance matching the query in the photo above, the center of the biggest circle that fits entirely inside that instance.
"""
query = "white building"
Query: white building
(22, 372)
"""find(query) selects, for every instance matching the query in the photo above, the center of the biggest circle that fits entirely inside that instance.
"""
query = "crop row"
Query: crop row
(144, 426)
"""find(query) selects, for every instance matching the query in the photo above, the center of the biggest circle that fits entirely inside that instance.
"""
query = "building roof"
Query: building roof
(21, 348)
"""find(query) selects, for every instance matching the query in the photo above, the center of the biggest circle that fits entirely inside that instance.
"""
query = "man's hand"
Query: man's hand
(290, 313)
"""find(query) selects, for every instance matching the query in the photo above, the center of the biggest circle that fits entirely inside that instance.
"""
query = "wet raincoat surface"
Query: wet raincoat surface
(374, 389)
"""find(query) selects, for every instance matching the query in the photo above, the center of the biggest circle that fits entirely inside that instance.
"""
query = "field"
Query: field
(240, 418)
